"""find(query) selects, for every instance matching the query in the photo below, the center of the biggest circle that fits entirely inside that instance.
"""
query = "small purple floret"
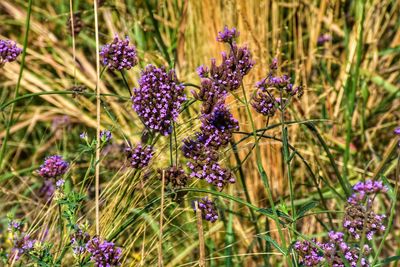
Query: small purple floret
(8, 51)
(227, 35)
(119, 55)
(53, 166)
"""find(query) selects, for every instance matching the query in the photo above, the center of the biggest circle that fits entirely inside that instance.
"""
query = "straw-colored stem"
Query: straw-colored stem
(97, 170)
(202, 253)
(160, 237)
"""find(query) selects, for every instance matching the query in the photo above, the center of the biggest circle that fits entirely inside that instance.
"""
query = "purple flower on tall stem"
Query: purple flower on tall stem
(104, 253)
(158, 99)
(140, 156)
(53, 166)
(119, 55)
(8, 51)
(208, 209)
(228, 35)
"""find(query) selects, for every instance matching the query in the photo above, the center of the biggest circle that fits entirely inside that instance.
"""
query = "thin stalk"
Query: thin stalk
(202, 253)
(125, 82)
(97, 170)
(160, 237)
(73, 38)
(261, 170)
(286, 159)
(21, 70)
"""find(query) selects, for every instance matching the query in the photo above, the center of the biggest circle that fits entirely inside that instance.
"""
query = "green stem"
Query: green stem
(21, 70)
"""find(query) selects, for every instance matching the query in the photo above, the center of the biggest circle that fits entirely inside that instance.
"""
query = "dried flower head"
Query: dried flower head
(76, 23)
(53, 166)
(104, 253)
(119, 55)
(8, 51)
(227, 35)
(158, 99)
(208, 209)
(176, 177)
(140, 156)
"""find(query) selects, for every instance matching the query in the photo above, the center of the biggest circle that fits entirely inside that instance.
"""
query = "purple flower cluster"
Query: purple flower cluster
(227, 35)
(53, 166)
(158, 99)
(21, 246)
(309, 255)
(8, 51)
(47, 189)
(78, 240)
(217, 123)
(359, 216)
(397, 132)
(208, 209)
(119, 55)
(337, 249)
(264, 101)
(22, 242)
(140, 156)
(104, 253)
(105, 136)
(336, 252)
(217, 127)
(229, 74)
(362, 190)
(324, 38)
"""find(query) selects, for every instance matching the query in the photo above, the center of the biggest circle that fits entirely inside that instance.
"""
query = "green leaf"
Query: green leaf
(388, 260)
(306, 207)
(274, 243)
(390, 191)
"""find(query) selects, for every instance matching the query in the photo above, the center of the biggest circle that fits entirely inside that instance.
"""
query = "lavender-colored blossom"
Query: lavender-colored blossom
(217, 127)
(53, 166)
(104, 253)
(105, 136)
(212, 172)
(46, 191)
(208, 209)
(263, 103)
(362, 190)
(78, 240)
(158, 99)
(397, 130)
(324, 38)
(119, 55)
(8, 51)
(308, 252)
(60, 183)
(83, 135)
(227, 35)
(21, 246)
(336, 249)
(140, 156)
